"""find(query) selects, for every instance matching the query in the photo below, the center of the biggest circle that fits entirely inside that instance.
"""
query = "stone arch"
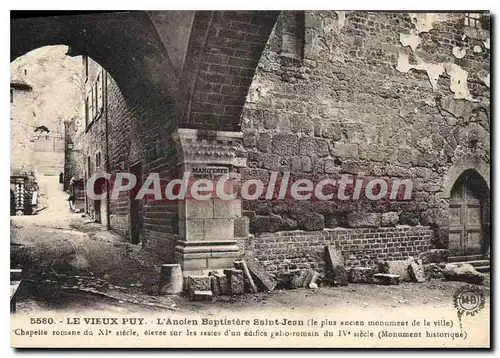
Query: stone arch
(135, 58)
(459, 167)
(222, 56)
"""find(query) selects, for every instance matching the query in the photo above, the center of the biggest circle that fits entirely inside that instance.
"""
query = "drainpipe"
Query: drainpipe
(105, 93)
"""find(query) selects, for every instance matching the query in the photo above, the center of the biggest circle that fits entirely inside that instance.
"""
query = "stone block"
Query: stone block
(227, 208)
(434, 256)
(364, 220)
(218, 229)
(241, 227)
(298, 279)
(222, 283)
(285, 144)
(249, 138)
(236, 281)
(308, 278)
(416, 271)
(200, 295)
(361, 275)
(196, 209)
(262, 278)
(306, 164)
(411, 219)
(345, 150)
(387, 279)
(214, 284)
(335, 266)
(313, 147)
(433, 270)
(198, 283)
(171, 280)
(296, 164)
(191, 229)
(396, 267)
(463, 272)
(390, 218)
(247, 277)
(264, 142)
(270, 223)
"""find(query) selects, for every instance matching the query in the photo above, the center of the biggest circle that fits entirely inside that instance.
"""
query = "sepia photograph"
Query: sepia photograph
(250, 179)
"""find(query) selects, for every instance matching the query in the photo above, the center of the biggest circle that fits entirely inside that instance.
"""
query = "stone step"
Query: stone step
(475, 263)
(483, 269)
(478, 263)
(465, 258)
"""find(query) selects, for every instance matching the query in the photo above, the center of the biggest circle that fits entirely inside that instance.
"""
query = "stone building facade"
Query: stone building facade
(114, 141)
(397, 96)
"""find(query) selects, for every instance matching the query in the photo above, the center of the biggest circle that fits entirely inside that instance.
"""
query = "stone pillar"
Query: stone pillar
(206, 227)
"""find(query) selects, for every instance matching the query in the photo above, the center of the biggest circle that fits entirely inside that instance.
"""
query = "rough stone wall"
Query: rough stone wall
(359, 247)
(392, 95)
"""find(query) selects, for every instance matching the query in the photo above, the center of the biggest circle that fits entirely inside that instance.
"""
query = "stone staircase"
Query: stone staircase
(477, 261)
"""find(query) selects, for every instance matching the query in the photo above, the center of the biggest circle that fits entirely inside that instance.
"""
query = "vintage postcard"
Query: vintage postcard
(250, 179)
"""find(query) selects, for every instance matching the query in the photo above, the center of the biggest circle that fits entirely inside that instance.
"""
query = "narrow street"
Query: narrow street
(67, 259)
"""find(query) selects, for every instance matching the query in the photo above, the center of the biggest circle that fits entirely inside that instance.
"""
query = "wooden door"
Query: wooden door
(466, 219)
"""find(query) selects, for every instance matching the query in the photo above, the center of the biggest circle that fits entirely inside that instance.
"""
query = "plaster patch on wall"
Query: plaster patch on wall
(410, 40)
(487, 43)
(433, 70)
(458, 82)
(424, 22)
(459, 52)
(478, 49)
(258, 90)
(341, 18)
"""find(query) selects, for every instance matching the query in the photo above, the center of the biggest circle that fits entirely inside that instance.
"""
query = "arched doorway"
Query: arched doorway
(469, 216)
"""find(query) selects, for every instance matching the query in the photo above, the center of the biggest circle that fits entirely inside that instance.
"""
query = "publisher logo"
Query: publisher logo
(469, 299)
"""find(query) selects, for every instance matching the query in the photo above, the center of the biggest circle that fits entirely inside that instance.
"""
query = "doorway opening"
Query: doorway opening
(469, 214)
(136, 205)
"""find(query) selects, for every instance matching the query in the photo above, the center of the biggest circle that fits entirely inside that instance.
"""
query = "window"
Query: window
(292, 34)
(96, 97)
(85, 67)
(100, 97)
(87, 114)
(98, 159)
(88, 167)
(92, 104)
(476, 20)
(11, 95)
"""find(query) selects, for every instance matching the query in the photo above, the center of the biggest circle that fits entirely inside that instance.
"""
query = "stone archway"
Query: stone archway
(460, 166)
(184, 80)
(469, 217)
